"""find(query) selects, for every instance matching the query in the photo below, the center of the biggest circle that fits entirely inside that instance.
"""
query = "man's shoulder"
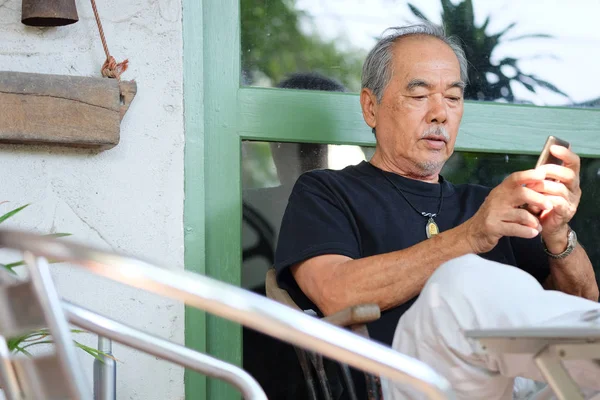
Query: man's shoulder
(472, 188)
(329, 178)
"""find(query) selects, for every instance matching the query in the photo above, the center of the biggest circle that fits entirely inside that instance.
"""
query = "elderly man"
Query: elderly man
(437, 258)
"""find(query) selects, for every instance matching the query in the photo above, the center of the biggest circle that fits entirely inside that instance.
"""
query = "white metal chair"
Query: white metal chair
(549, 346)
(20, 376)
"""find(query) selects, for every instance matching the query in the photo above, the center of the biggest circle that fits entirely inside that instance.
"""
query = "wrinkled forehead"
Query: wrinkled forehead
(423, 57)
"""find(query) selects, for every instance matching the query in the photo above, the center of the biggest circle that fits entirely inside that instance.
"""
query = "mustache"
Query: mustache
(436, 130)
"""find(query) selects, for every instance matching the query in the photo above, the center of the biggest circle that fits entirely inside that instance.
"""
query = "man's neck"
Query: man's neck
(398, 168)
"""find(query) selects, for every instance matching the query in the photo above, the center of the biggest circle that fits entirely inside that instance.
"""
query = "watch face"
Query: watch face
(571, 243)
(572, 238)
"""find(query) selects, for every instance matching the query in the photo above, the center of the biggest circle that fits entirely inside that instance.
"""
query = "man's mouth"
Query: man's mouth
(435, 142)
(435, 138)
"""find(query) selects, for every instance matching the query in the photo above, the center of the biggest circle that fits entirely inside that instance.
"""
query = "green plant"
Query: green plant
(273, 45)
(20, 344)
(487, 80)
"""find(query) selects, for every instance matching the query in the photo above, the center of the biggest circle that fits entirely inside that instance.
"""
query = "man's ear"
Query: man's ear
(368, 103)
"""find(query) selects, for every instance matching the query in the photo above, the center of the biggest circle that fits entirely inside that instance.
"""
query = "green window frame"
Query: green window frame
(219, 114)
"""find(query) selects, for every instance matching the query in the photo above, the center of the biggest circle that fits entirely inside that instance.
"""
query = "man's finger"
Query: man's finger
(524, 195)
(560, 206)
(521, 178)
(550, 188)
(568, 157)
(522, 217)
(518, 230)
(567, 176)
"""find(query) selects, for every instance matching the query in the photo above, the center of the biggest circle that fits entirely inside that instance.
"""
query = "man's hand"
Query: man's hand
(561, 187)
(501, 213)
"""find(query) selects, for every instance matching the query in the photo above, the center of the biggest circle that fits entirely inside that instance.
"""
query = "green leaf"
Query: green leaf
(37, 342)
(508, 61)
(13, 212)
(467, 11)
(19, 263)
(485, 24)
(508, 28)
(42, 336)
(417, 12)
(94, 352)
(547, 85)
(527, 85)
(90, 350)
(13, 265)
(448, 8)
(22, 350)
(57, 235)
(7, 267)
(530, 36)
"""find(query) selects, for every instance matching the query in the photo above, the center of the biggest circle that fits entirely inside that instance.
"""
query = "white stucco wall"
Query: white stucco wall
(130, 198)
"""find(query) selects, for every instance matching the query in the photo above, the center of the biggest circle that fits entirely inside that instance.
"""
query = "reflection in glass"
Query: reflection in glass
(515, 56)
(271, 169)
(269, 172)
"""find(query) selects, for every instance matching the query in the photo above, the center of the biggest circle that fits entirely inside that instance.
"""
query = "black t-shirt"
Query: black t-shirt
(357, 212)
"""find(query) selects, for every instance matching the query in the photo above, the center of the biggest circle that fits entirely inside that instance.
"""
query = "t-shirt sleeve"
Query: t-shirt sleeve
(530, 256)
(316, 222)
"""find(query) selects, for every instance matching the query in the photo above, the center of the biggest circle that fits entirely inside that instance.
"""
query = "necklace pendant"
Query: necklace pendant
(431, 229)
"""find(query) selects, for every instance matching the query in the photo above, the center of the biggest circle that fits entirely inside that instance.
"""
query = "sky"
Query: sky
(574, 25)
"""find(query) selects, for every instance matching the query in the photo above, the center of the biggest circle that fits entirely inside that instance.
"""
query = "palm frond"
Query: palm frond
(530, 36)
(506, 30)
(417, 13)
(546, 85)
(485, 24)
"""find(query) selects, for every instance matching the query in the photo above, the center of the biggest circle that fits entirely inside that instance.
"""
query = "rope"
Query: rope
(110, 68)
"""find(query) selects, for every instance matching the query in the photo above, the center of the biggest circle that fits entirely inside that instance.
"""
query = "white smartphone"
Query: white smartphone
(545, 156)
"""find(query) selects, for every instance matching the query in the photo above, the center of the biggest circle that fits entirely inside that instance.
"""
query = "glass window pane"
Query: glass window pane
(269, 172)
(515, 56)
(271, 169)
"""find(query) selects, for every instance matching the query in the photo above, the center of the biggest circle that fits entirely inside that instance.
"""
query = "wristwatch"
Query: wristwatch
(571, 243)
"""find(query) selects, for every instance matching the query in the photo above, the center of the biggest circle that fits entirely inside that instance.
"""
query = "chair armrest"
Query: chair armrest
(355, 315)
(276, 293)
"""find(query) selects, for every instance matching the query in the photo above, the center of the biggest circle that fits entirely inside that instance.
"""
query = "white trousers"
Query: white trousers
(473, 293)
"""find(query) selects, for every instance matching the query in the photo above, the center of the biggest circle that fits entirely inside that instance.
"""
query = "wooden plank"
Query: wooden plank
(65, 110)
(284, 115)
(222, 166)
(193, 213)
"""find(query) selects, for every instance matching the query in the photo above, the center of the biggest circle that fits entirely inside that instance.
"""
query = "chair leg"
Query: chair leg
(373, 387)
(373, 382)
(348, 380)
(308, 376)
(317, 361)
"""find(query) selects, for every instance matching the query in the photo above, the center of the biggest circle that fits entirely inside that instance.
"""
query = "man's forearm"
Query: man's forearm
(388, 279)
(574, 275)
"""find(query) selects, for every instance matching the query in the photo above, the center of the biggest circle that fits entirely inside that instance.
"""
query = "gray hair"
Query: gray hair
(377, 69)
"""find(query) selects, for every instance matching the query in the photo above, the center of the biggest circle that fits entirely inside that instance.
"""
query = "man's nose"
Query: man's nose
(437, 110)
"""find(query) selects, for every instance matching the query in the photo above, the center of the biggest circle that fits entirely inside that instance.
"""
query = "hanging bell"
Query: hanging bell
(49, 12)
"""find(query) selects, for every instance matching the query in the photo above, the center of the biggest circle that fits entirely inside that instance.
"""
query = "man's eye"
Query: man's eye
(419, 97)
(453, 99)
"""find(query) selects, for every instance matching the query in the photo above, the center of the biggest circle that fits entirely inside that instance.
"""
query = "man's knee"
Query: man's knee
(455, 274)
(458, 266)
(471, 275)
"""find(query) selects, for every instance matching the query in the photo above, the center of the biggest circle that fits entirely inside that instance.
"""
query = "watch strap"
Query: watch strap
(571, 243)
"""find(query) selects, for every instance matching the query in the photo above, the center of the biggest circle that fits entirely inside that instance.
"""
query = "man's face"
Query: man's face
(419, 114)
